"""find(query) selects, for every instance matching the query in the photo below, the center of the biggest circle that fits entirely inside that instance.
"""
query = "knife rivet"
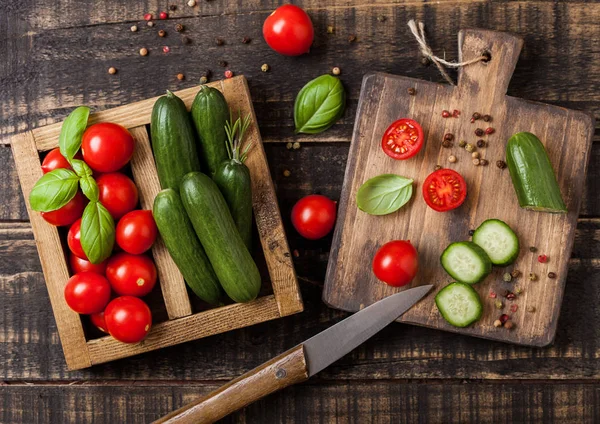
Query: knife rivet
(280, 373)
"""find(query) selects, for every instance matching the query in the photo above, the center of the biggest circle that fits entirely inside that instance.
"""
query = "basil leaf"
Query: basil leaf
(384, 194)
(89, 188)
(54, 190)
(81, 168)
(71, 131)
(319, 104)
(97, 232)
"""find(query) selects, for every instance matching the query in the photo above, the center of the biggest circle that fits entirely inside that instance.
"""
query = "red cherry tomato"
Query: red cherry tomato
(128, 319)
(74, 239)
(87, 293)
(396, 263)
(107, 147)
(118, 193)
(136, 232)
(131, 275)
(403, 139)
(444, 190)
(313, 216)
(68, 214)
(289, 30)
(54, 160)
(83, 265)
(99, 321)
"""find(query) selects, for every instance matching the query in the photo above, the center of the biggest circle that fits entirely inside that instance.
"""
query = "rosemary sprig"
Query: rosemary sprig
(236, 133)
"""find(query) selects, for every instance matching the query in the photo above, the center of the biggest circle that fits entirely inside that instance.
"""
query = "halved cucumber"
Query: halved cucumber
(466, 262)
(498, 240)
(459, 304)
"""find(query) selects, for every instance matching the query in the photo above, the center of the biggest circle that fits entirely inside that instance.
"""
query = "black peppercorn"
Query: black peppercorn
(246, 40)
(533, 249)
(412, 91)
(449, 137)
(551, 275)
(447, 144)
(219, 42)
(222, 63)
(501, 164)
(487, 118)
(351, 38)
(479, 132)
(471, 232)
(178, 27)
(173, 7)
(476, 116)
(480, 143)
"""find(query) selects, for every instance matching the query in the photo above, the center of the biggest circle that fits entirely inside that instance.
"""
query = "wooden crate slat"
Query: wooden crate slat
(266, 208)
(171, 281)
(52, 258)
(203, 324)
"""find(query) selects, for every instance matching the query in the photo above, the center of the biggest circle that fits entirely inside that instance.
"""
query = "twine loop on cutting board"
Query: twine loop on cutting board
(441, 64)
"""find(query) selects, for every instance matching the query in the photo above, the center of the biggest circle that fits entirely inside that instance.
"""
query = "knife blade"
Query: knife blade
(300, 362)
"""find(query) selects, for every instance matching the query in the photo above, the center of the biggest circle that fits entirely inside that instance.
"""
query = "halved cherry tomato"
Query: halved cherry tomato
(444, 190)
(131, 275)
(87, 293)
(396, 263)
(82, 265)
(117, 193)
(74, 239)
(403, 139)
(289, 30)
(128, 319)
(136, 231)
(107, 147)
(99, 321)
(68, 214)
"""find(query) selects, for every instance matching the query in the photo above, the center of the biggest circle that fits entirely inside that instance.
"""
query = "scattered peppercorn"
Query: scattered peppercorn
(480, 143)
(542, 259)
(447, 144)
(207, 73)
(219, 42)
(518, 290)
(203, 80)
(456, 113)
(499, 304)
(483, 162)
(530, 309)
(191, 3)
(511, 296)
(476, 116)
(246, 40)
(448, 137)
(501, 164)
(412, 91)
(471, 232)
(133, 28)
(264, 67)
(552, 275)
(162, 33)
(166, 49)
(509, 325)
(493, 294)
(288, 146)
(112, 70)
(472, 120)
(452, 159)
(351, 38)
(497, 323)
(503, 318)
(286, 173)
(507, 277)
(445, 114)
(476, 162)
(532, 249)
(148, 16)
(173, 7)
(143, 51)
(490, 130)
(515, 273)
(296, 253)
(462, 143)
(437, 167)
(296, 145)
(469, 147)
(186, 40)
(163, 15)
(150, 23)
(330, 29)
(487, 118)
(180, 76)
(336, 70)
(228, 73)
(475, 155)
(381, 18)
(222, 63)
(532, 276)
(479, 132)
(179, 27)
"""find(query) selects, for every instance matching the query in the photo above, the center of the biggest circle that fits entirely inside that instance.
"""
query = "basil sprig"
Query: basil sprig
(72, 130)
(97, 232)
(319, 104)
(384, 194)
(54, 190)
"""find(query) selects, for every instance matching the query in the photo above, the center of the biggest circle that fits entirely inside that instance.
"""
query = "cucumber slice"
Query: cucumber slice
(498, 240)
(459, 304)
(466, 262)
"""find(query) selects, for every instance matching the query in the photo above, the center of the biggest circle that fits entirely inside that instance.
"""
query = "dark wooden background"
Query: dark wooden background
(54, 55)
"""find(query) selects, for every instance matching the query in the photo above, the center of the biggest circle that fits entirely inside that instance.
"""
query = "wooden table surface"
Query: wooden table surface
(54, 55)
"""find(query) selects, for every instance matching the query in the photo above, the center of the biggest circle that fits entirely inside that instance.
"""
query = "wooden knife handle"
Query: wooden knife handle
(282, 371)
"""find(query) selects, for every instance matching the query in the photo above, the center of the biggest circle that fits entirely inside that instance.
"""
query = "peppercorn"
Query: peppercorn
(487, 118)
(203, 80)
(476, 162)
(222, 63)
(148, 16)
(228, 73)
(503, 318)
(490, 130)
(412, 91)
(507, 277)
(462, 143)
(445, 114)
(475, 155)
(180, 76)
(447, 144)
(511, 296)
(162, 33)
(288, 146)
(518, 290)
(264, 67)
(246, 40)
(532, 249)
(497, 323)
(381, 18)
(166, 49)
(112, 70)
(471, 232)
(351, 38)
(451, 158)
(186, 40)
(501, 164)
(532, 276)
(472, 120)
(479, 132)
(191, 3)
(552, 275)
(286, 173)
(469, 147)
(296, 145)
(493, 294)
(133, 28)
(530, 309)
(143, 51)
(499, 304)
(173, 7)
(448, 137)
(456, 113)
(437, 167)
(480, 143)
(483, 162)
(163, 15)
(336, 71)
(329, 29)
(509, 325)
(476, 116)
(296, 253)
(150, 23)
(515, 273)
(219, 41)
(179, 27)
(542, 259)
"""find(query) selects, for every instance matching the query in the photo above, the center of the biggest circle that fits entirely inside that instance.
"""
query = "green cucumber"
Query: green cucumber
(459, 304)
(498, 240)
(209, 115)
(532, 174)
(182, 243)
(173, 141)
(212, 221)
(466, 262)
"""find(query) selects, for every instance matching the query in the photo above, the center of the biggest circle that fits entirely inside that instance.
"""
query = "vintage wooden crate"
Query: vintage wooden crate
(182, 325)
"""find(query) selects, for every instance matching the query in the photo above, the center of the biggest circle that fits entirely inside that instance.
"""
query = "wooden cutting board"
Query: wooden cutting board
(350, 284)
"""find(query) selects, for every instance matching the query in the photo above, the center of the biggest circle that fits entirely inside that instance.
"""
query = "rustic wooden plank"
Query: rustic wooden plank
(361, 402)
(172, 284)
(350, 285)
(51, 256)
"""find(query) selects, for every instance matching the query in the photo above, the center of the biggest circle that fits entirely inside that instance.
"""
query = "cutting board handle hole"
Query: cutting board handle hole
(487, 56)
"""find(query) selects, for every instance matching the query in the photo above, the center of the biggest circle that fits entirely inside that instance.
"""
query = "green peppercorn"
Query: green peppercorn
(499, 304)
(507, 277)
(532, 276)
(469, 148)
(462, 143)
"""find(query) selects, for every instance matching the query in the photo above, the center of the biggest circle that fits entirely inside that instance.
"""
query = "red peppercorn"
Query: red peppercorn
(456, 113)
(445, 114)
(542, 259)
(489, 130)
(228, 74)
(514, 307)
(493, 295)
(166, 49)
(472, 120)
(511, 296)
(504, 318)
(163, 15)
(148, 16)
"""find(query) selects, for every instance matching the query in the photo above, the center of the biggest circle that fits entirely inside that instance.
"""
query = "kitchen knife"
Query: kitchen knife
(299, 363)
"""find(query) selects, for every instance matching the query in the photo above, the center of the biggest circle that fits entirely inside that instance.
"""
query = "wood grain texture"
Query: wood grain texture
(171, 281)
(282, 371)
(481, 88)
